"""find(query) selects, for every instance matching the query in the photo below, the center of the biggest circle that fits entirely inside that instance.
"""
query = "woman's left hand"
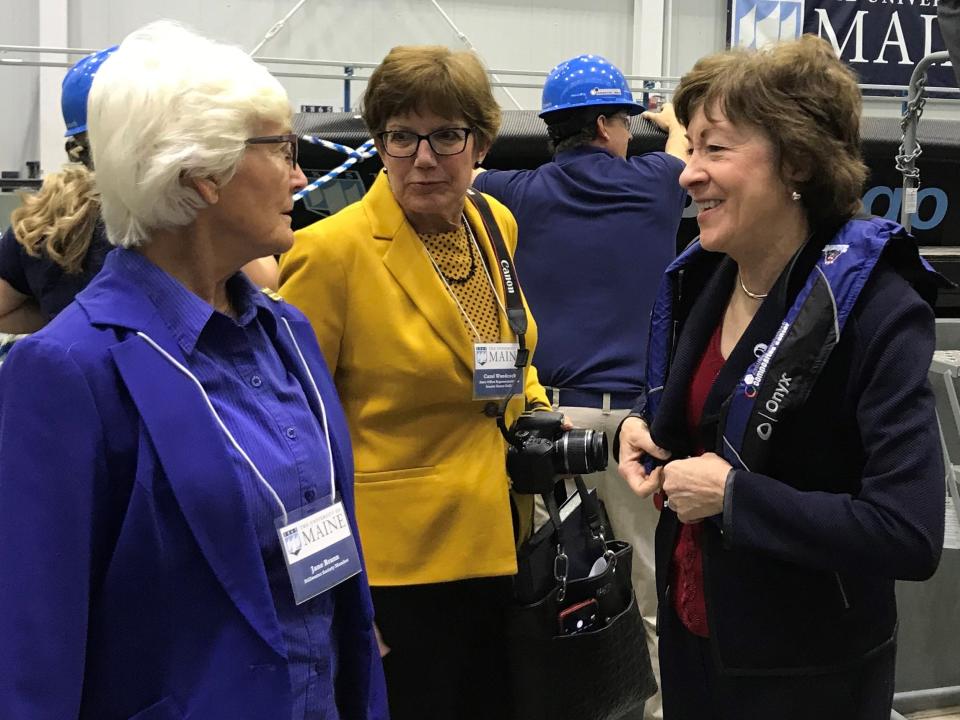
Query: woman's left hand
(566, 423)
(695, 486)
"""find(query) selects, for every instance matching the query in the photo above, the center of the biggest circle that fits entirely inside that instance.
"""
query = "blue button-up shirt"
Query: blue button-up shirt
(602, 230)
(266, 409)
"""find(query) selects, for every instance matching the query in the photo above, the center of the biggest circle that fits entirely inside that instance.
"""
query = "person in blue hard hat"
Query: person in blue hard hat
(57, 241)
(596, 231)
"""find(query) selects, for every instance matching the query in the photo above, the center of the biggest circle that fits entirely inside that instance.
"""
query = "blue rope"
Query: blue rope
(365, 151)
(6, 344)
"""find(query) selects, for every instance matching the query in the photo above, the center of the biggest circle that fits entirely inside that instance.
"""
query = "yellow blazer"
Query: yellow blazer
(432, 490)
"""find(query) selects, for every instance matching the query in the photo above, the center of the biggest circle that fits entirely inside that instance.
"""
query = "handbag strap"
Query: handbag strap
(561, 563)
(590, 510)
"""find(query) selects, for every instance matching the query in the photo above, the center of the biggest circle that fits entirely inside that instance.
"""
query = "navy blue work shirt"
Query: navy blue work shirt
(596, 233)
(266, 410)
(45, 281)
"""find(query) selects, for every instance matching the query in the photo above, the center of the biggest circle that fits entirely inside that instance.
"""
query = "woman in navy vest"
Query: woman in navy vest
(789, 430)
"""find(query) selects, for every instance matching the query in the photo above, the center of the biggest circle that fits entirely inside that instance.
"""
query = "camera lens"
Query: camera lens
(580, 452)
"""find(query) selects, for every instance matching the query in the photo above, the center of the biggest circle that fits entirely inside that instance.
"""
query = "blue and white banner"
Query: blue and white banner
(882, 40)
(758, 23)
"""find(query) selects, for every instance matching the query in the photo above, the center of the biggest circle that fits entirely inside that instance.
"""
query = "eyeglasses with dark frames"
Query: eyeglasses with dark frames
(404, 144)
(290, 139)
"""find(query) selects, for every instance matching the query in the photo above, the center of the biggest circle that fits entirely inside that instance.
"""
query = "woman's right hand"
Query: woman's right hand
(635, 445)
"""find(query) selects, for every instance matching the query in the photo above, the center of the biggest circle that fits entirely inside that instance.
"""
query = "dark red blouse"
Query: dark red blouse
(687, 570)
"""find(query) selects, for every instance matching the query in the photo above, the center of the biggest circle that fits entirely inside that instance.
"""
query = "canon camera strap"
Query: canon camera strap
(515, 309)
(516, 312)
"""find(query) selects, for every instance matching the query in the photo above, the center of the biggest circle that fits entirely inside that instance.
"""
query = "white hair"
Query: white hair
(170, 104)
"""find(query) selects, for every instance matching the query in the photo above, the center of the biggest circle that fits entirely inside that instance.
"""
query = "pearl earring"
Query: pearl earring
(795, 196)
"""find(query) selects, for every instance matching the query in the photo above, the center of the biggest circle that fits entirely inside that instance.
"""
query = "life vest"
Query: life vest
(786, 369)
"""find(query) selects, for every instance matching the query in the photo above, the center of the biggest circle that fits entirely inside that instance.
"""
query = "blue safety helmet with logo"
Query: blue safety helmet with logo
(585, 81)
(76, 88)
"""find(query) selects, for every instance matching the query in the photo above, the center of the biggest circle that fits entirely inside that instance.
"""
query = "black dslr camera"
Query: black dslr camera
(540, 450)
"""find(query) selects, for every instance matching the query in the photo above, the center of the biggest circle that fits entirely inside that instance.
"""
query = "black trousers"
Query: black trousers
(694, 690)
(447, 658)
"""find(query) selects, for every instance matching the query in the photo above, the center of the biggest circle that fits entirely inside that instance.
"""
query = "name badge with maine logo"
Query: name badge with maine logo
(318, 549)
(495, 375)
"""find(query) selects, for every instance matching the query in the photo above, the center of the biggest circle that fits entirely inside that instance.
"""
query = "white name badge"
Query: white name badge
(318, 548)
(494, 373)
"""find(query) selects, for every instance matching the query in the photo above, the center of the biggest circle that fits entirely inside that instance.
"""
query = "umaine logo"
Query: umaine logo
(291, 541)
(481, 355)
(757, 23)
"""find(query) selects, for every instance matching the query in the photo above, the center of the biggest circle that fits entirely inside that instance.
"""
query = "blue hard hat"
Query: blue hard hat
(76, 88)
(584, 81)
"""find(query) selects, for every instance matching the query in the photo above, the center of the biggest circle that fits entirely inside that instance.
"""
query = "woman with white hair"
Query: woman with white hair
(177, 529)
(56, 242)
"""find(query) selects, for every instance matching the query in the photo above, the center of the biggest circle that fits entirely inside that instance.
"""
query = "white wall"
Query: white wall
(513, 34)
(526, 34)
(510, 34)
(696, 28)
(19, 88)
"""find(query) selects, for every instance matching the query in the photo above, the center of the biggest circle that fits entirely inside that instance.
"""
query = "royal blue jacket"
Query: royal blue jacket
(44, 280)
(132, 582)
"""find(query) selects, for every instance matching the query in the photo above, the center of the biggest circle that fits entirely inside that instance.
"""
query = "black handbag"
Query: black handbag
(602, 672)
(582, 525)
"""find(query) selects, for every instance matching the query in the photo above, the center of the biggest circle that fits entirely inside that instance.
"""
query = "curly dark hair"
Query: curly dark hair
(805, 101)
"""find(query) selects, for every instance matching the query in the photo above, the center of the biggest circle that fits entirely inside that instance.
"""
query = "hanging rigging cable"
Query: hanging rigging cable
(277, 27)
(466, 41)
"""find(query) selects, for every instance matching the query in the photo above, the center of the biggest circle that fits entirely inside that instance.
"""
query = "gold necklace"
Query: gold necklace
(755, 296)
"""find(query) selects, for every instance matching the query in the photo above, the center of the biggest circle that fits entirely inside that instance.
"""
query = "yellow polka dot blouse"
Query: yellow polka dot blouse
(462, 266)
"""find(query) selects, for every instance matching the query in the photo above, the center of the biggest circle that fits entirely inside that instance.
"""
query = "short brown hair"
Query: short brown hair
(806, 102)
(432, 77)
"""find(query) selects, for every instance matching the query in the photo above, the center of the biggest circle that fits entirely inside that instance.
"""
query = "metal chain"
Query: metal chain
(914, 109)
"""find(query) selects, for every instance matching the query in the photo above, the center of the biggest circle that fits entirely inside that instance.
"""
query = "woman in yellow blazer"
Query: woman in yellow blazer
(399, 288)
